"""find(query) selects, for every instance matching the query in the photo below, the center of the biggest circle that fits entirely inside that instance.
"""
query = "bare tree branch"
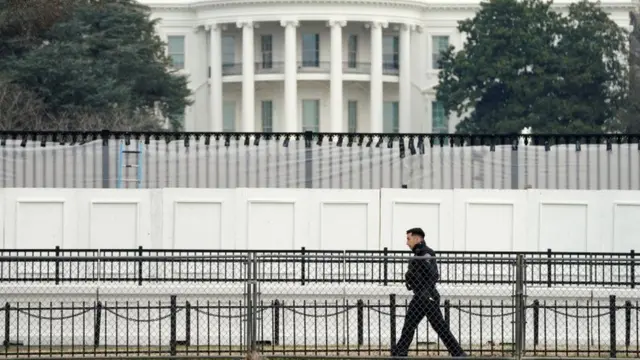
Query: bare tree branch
(23, 110)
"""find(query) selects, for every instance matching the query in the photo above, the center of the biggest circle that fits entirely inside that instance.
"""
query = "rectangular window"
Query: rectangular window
(267, 116)
(228, 51)
(438, 45)
(391, 115)
(391, 52)
(266, 47)
(311, 50)
(175, 50)
(311, 115)
(352, 116)
(229, 116)
(352, 55)
(439, 122)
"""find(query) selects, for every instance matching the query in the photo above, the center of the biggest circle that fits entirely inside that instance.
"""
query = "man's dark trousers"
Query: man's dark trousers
(422, 305)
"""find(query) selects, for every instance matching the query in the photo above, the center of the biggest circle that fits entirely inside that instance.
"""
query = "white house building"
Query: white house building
(322, 65)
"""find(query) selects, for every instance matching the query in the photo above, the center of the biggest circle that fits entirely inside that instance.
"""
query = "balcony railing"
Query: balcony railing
(277, 67)
(350, 67)
(269, 67)
(232, 69)
(314, 66)
(390, 69)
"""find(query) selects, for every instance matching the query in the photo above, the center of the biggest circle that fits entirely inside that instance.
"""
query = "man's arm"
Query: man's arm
(431, 266)
(410, 275)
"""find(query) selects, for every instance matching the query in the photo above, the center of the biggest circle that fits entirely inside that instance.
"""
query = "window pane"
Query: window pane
(390, 52)
(267, 44)
(267, 53)
(228, 50)
(310, 115)
(387, 44)
(175, 50)
(439, 122)
(352, 110)
(267, 116)
(229, 116)
(438, 45)
(310, 50)
(353, 51)
(391, 121)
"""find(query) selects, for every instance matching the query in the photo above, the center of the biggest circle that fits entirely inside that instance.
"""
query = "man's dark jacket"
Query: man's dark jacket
(422, 274)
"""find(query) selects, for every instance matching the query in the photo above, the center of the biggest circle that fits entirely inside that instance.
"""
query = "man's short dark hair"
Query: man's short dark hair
(416, 231)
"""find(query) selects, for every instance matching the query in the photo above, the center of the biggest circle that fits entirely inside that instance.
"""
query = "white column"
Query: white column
(291, 123)
(404, 93)
(336, 75)
(377, 98)
(215, 82)
(248, 81)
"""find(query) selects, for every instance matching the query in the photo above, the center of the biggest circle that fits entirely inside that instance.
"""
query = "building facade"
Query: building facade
(325, 65)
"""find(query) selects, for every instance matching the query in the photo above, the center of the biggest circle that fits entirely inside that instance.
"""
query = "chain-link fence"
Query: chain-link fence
(281, 304)
(316, 160)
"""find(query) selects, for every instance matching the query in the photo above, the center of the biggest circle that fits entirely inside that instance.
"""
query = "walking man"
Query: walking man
(421, 278)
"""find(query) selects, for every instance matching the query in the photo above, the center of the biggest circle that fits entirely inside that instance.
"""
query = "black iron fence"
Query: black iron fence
(304, 266)
(318, 160)
(322, 304)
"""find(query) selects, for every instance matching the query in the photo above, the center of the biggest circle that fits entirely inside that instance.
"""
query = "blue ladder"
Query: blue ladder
(124, 165)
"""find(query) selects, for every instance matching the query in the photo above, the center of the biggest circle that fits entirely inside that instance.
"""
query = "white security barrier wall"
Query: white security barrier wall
(493, 220)
(501, 220)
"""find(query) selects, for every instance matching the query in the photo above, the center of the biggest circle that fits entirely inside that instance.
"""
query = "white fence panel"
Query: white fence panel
(328, 219)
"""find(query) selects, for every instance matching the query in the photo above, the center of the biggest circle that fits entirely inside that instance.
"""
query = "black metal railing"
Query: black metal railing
(232, 69)
(321, 160)
(356, 67)
(312, 66)
(315, 318)
(269, 67)
(390, 68)
(304, 266)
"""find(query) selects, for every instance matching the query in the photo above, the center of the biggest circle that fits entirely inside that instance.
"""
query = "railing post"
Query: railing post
(173, 308)
(96, 324)
(519, 326)
(251, 301)
(627, 323)
(276, 322)
(254, 301)
(612, 326)
(536, 322)
(140, 265)
(105, 135)
(360, 308)
(7, 326)
(308, 160)
(549, 267)
(632, 271)
(392, 318)
(385, 266)
(515, 168)
(57, 265)
(187, 324)
(303, 263)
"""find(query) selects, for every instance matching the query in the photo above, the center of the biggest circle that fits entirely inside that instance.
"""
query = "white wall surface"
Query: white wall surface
(493, 220)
